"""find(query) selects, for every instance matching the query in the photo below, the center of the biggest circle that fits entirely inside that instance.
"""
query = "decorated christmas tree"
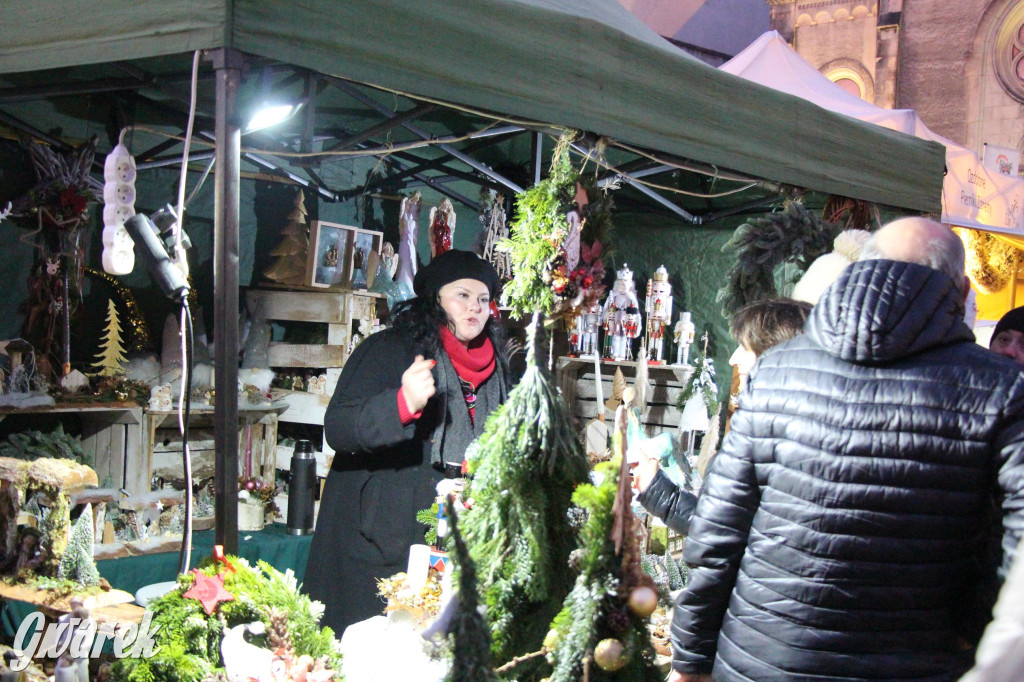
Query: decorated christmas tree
(525, 466)
(601, 633)
(77, 563)
(293, 249)
(109, 361)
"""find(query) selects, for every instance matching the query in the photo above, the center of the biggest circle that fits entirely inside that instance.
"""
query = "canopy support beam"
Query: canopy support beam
(349, 89)
(228, 140)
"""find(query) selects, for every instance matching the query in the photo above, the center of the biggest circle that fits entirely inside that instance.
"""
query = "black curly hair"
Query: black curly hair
(422, 317)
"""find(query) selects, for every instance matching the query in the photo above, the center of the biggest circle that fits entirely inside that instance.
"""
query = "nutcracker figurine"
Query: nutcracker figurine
(616, 310)
(659, 312)
(683, 336)
(587, 324)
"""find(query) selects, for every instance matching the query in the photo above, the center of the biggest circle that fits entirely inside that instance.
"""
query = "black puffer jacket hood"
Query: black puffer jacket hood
(844, 529)
(868, 315)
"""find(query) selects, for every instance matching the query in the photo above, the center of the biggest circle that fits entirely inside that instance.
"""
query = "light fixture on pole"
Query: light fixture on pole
(264, 108)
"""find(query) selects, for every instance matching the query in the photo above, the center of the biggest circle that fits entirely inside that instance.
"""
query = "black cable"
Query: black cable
(185, 557)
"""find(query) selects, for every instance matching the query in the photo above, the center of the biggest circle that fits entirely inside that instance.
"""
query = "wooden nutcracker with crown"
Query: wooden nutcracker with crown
(658, 307)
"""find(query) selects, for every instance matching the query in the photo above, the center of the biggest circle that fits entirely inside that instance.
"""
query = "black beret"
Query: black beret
(1013, 320)
(455, 265)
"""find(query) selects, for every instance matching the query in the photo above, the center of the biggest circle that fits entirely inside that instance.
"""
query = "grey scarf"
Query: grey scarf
(455, 431)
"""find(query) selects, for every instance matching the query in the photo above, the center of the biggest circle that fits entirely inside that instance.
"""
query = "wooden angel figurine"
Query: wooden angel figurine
(408, 231)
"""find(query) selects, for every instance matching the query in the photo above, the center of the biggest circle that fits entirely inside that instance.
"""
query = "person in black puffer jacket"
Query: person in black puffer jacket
(849, 528)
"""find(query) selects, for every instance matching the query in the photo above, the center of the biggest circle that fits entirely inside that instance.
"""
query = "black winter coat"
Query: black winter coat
(841, 533)
(668, 502)
(380, 477)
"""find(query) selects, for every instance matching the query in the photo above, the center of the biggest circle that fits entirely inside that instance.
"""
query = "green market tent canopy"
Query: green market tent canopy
(587, 65)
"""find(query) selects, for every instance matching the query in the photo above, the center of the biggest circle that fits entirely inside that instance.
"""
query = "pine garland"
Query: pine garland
(537, 234)
(525, 466)
(792, 235)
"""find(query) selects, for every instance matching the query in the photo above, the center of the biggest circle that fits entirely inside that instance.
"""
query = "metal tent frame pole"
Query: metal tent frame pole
(227, 64)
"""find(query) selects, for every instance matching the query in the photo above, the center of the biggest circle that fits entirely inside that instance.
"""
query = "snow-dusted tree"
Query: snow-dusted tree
(110, 360)
(292, 251)
(77, 562)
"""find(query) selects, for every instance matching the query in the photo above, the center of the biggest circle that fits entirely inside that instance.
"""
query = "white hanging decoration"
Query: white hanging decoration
(118, 206)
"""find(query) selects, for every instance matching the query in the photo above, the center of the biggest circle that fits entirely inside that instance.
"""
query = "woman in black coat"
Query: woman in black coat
(410, 399)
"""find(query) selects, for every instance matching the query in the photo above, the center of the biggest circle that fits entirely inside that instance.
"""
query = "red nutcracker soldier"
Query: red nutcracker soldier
(659, 313)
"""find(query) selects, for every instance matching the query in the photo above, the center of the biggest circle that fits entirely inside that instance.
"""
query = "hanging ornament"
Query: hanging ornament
(442, 228)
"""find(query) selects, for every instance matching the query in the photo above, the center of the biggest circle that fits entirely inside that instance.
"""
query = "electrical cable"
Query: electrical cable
(185, 556)
(179, 250)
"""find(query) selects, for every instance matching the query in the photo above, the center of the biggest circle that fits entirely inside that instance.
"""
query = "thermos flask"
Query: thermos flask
(301, 488)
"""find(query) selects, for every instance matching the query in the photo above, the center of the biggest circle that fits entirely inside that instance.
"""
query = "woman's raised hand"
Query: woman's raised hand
(418, 384)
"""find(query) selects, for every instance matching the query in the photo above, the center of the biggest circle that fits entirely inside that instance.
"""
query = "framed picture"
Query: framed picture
(330, 254)
(366, 245)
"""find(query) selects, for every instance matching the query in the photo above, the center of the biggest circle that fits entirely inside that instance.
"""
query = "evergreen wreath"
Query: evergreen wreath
(793, 235)
(990, 262)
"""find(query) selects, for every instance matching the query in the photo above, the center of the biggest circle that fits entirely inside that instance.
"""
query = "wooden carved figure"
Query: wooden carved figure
(659, 312)
(620, 304)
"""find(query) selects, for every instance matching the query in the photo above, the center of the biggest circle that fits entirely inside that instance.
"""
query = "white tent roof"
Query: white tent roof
(972, 194)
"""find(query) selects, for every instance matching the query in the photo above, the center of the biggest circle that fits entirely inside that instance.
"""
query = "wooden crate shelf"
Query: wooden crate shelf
(575, 378)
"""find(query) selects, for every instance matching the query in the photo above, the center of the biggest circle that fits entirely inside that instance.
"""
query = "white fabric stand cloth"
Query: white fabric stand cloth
(384, 649)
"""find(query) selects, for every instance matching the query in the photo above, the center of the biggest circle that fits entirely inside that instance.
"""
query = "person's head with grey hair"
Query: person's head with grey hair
(922, 241)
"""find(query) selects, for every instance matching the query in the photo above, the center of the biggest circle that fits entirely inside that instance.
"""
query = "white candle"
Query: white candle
(419, 567)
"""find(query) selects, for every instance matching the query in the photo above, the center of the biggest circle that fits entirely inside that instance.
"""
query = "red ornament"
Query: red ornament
(250, 485)
(208, 591)
(218, 556)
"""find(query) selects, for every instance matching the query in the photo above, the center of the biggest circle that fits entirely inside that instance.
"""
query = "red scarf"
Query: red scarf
(473, 364)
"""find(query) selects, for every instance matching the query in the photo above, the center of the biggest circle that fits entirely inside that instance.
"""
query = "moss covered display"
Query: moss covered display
(189, 638)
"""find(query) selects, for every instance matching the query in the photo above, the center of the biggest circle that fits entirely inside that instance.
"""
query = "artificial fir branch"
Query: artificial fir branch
(471, 640)
(525, 466)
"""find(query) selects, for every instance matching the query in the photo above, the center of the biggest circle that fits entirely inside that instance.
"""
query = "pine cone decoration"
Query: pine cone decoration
(278, 637)
(618, 621)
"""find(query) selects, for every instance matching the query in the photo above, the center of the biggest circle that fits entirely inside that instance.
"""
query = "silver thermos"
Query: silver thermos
(301, 488)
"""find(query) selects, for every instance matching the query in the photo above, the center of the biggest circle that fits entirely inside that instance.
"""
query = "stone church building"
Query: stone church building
(960, 64)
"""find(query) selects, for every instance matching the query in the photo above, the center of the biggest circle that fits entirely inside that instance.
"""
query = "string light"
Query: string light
(140, 338)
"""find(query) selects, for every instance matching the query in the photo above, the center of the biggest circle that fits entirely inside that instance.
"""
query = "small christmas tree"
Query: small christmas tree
(525, 465)
(109, 361)
(77, 562)
(601, 633)
(292, 251)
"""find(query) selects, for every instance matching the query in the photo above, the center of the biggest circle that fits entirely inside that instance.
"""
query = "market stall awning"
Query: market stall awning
(586, 65)
(973, 195)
